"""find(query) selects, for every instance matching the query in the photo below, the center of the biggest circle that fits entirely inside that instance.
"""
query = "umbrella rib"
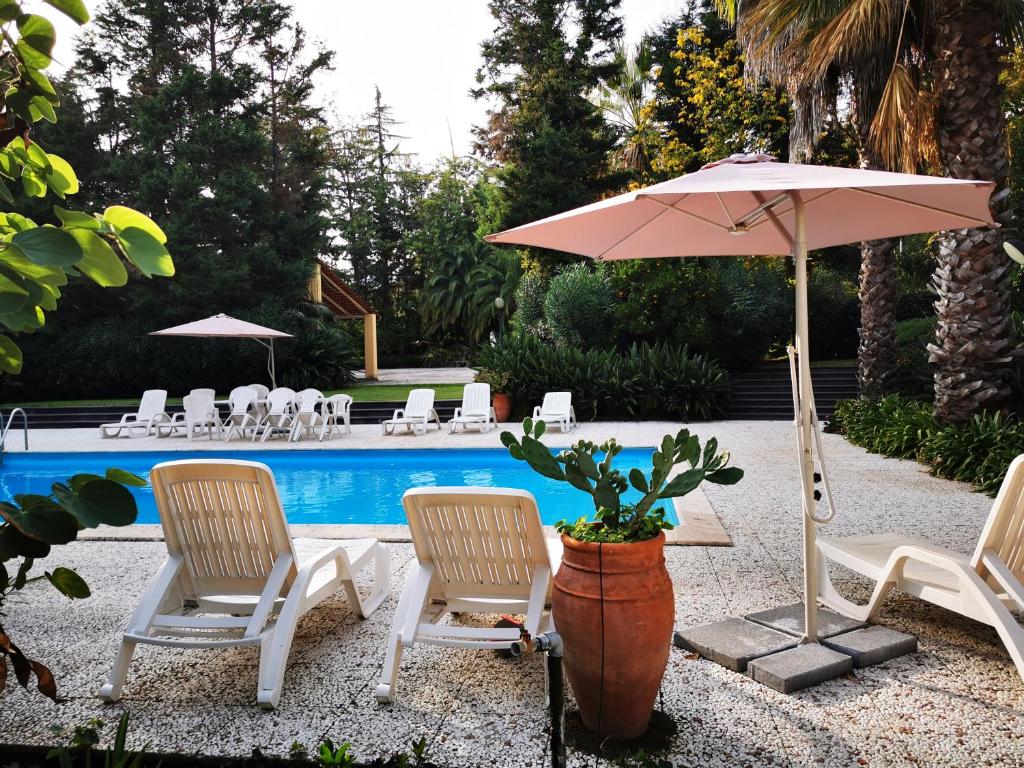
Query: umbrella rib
(925, 206)
(725, 210)
(626, 237)
(689, 214)
(770, 216)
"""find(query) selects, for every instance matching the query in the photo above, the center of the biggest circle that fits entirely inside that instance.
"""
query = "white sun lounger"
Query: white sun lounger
(478, 550)
(199, 414)
(242, 416)
(233, 574)
(417, 414)
(306, 419)
(277, 418)
(984, 587)
(556, 409)
(151, 413)
(337, 414)
(475, 409)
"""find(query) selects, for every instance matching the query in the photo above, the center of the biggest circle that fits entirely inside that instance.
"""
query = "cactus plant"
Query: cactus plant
(581, 466)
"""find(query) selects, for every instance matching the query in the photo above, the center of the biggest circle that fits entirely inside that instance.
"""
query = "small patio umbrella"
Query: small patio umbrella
(225, 327)
(752, 205)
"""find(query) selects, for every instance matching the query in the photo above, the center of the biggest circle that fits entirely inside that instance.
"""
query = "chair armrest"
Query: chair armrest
(536, 411)
(399, 413)
(457, 414)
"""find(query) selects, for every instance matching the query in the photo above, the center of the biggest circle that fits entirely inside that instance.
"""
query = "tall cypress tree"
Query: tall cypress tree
(543, 60)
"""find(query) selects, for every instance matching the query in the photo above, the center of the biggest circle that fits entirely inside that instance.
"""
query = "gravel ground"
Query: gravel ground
(958, 702)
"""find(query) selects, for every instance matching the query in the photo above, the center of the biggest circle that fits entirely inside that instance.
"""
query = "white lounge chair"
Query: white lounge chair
(277, 417)
(475, 409)
(242, 415)
(556, 409)
(337, 414)
(984, 587)
(478, 550)
(305, 417)
(199, 414)
(152, 411)
(416, 416)
(233, 575)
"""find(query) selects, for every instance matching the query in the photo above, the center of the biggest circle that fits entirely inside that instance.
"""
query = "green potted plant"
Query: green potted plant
(612, 600)
(498, 381)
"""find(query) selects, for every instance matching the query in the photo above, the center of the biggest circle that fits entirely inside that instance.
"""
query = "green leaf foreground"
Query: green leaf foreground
(615, 522)
(38, 257)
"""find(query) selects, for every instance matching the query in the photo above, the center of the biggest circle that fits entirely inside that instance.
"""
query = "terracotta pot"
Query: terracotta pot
(613, 606)
(502, 407)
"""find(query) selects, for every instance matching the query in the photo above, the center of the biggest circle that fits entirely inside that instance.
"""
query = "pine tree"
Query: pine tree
(545, 57)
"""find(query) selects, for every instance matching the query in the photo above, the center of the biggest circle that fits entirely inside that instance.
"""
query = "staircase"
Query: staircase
(766, 393)
(92, 416)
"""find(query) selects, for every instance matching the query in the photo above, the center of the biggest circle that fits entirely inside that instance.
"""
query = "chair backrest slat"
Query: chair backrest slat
(476, 399)
(153, 401)
(479, 540)
(225, 518)
(556, 403)
(419, 403)
(1003, 534)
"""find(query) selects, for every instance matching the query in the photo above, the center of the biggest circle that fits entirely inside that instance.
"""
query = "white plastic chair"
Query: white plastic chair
(556, 409)
(152, 411)
(199, 414)
(475, 409)
(478, 550)
(233, 575)
(208, 392)
(306, 418)
(277, 418)
(985, 587)
(242, 416)
(262, 393)
(337, 414)
(416, 416)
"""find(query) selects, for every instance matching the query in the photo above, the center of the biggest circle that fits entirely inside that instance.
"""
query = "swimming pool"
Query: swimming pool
(354, 486)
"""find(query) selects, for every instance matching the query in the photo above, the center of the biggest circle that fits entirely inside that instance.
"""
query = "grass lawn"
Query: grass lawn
(372, 393)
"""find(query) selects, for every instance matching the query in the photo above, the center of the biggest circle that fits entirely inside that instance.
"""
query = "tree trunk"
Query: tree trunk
(876, 353)
(972, 348)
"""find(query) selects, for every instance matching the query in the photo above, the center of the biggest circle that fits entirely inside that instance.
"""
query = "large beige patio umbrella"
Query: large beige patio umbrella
(751, 205)
(226, 327)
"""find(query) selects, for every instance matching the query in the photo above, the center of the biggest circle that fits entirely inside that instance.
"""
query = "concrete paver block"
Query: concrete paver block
(799, 667)
(872, 645)
(790, 619)
(733, 642)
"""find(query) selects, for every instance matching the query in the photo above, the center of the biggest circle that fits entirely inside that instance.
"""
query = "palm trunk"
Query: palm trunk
(972, 349)
(876, 353)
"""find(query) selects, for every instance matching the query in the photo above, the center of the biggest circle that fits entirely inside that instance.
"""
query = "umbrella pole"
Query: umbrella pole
(270, 365)
(803, 420)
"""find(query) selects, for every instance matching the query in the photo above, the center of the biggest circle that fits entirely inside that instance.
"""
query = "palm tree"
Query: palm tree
(625, 100)
(460, 294)
(926, 86)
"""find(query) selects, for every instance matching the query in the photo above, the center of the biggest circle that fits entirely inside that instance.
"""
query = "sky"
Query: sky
(423, 54)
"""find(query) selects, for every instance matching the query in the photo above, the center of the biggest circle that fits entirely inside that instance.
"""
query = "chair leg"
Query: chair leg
(389, 674)
(381, 583)
(274, 651)
(829, 596)
(111, 690)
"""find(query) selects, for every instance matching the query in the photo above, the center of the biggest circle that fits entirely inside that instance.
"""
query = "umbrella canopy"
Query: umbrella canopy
(751, 205)
(225, 326)
(743, 207)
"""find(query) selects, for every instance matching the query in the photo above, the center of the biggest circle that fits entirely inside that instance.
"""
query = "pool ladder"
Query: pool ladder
(7, 428)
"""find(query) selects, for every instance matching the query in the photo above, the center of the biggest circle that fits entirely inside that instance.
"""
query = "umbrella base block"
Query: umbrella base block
(800, 667)
(790, 619)
(764, 645)
(733, 643)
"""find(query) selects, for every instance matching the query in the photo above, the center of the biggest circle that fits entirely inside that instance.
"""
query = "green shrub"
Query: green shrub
(578, 308)
(834, 311)
(529, 314)
(913, 372)
(649, 381)
(978, 452)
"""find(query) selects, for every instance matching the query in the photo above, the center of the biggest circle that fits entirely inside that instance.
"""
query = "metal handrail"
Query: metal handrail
(7, 427)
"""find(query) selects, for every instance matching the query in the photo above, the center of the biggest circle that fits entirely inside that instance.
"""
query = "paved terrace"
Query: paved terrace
(958, 702)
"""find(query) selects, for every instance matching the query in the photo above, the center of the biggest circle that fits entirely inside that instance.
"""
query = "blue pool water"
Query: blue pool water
(333, 486)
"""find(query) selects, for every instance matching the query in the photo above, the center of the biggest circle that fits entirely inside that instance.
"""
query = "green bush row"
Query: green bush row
(659, 381)
(978, 452)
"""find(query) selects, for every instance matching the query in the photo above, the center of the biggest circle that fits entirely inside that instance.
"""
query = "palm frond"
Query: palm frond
(863, 24)
(902, 131)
